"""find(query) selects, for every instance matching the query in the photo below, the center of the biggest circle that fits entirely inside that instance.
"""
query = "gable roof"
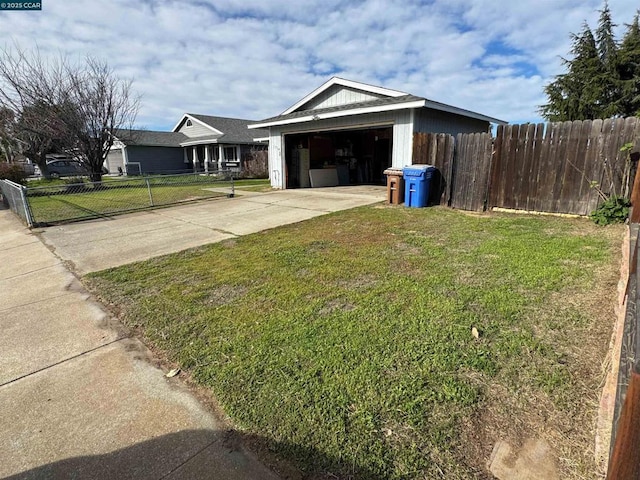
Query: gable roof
(150, 138)
(392, 100)
(223, 129)
(345, 83)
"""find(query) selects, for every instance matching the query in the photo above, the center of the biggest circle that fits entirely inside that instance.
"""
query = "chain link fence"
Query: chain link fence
(78, 199)
(14, 196)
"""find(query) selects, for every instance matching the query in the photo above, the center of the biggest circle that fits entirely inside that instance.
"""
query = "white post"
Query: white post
(206, 159)
(195, 158)
(220, 154)
(125, 160)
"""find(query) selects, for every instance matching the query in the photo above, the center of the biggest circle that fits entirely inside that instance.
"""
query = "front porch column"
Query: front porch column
(195, 159)
(220, 155)
(206, 159)
(186, 156)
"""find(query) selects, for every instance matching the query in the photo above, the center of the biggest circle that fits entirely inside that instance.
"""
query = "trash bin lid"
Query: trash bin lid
(417, 170)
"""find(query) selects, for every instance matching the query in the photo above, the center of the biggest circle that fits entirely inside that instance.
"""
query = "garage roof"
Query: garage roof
(391, 100)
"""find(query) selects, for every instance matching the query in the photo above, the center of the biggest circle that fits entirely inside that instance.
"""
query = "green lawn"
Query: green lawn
(58, 201)
(343, 344)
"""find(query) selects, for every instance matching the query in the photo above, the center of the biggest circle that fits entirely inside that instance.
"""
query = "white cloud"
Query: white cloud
(251, 58)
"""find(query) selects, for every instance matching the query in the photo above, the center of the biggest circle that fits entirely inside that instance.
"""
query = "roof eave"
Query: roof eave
(195, 142)
(340, 113)
(461, 111)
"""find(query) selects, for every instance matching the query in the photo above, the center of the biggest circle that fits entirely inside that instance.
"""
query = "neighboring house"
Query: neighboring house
(198, 143)
(347, 132)
(143, 151)
(218, 142)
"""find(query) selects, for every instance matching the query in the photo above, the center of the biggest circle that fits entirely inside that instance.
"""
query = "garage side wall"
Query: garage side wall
(401, 120)
(115, 159)
(427, 120)
(157, 159)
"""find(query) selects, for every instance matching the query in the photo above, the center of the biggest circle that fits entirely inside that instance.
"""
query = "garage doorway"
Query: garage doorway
(340, 157)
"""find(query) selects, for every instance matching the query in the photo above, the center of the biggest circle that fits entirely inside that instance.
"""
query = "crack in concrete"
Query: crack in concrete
(30, 272)
(26, 375)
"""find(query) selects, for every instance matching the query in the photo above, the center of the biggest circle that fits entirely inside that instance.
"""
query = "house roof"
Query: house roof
(223, 129)
(392, 100)
(151, 138)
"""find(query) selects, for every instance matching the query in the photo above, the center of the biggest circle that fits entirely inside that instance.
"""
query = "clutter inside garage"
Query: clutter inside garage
(339, 157)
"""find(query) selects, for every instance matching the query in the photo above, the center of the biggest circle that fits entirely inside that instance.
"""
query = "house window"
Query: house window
(189, 123)
(230, 154)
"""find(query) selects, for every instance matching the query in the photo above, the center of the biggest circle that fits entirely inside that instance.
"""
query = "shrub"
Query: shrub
(13, 172)
(613, 210)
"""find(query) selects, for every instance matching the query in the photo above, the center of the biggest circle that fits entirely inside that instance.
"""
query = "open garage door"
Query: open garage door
(338, 157)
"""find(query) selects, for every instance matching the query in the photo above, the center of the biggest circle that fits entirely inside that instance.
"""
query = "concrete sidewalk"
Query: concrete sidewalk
(109, 242)
(79, 399)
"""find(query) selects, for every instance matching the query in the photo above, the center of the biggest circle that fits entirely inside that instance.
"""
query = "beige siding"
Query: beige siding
(402, 139)
(339, 95)
(434, 121)
(195, 130)
(115, 159)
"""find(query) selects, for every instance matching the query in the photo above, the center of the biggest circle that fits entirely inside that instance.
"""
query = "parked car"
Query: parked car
(66, 168)
(28, 168)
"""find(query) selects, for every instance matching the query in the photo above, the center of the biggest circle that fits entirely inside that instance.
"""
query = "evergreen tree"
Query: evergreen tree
(608, 53)
(602, 78)
(629, 70)
(578, 93)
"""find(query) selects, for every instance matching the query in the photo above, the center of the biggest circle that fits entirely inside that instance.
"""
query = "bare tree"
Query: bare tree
(101, 104)
(31, 90)
(61, 107)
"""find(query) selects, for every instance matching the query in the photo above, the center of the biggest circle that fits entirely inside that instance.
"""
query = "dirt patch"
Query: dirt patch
(358, 283)
(336, 305)
(231, 243)
(225, 294)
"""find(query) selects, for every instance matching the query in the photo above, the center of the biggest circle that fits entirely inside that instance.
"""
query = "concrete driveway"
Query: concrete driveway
(99, 244)
(82, 400)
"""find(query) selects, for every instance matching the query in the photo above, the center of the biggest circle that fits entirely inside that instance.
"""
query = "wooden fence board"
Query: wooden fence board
(547, 170)
(563, 182)
(496, 168)
(580, 198)
(593, 166)
(536, 160)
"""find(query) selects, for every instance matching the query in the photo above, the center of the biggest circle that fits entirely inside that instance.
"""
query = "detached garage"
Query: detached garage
(348, 133)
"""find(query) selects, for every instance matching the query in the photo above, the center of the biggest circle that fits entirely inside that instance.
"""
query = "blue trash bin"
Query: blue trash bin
(417, 179)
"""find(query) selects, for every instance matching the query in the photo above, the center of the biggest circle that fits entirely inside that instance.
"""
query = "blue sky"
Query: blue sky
(254, 58)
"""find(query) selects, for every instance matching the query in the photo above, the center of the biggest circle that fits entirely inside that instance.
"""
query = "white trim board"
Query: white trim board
(358, 126)
(340, 113)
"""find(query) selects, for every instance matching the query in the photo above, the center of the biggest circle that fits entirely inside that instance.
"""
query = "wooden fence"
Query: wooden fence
(624, 462)
(545, 168)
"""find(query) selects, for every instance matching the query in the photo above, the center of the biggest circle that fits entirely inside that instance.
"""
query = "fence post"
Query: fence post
(625, 461)
(149, 190)
(635, 199)
(27, 209)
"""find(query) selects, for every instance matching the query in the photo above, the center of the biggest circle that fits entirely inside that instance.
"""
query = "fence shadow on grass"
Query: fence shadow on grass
(197, 454)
